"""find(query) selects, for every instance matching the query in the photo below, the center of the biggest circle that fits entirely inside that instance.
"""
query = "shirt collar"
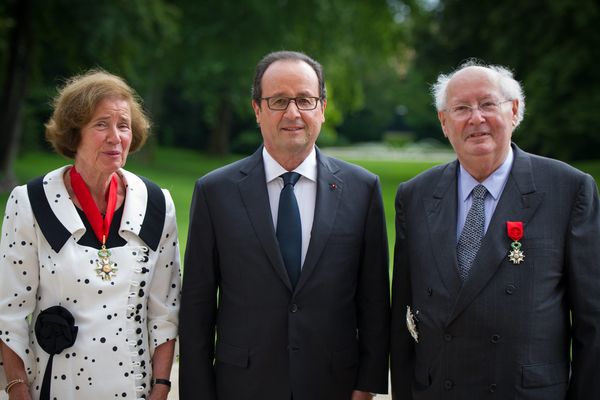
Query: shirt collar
(493, 183)
(273, 170)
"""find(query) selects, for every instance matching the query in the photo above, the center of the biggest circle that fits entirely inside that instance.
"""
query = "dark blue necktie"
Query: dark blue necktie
(289, 230)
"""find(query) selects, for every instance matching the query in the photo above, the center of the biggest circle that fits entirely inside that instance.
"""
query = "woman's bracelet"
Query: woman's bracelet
(159, 381)
(13, 383)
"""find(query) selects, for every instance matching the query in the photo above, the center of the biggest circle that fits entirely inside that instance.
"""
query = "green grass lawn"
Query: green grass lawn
(177, 170)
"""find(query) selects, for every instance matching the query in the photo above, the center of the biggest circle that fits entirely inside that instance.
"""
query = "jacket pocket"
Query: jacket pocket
(233, 355)
(544, 374)
(422, 378)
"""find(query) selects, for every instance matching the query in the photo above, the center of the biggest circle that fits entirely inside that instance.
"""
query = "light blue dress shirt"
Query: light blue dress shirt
(494, 184)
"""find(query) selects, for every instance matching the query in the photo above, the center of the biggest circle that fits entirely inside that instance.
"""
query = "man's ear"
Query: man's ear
(257, 110)
(442, 118)
(515, 111)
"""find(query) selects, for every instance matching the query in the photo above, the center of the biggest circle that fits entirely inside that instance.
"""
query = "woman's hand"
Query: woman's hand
(158, 392)
(20, 392)
(14, 370)
(161, 369)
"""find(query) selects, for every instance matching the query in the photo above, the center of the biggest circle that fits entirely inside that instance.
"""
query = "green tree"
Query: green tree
(52, 40)
(192, 62)
(14, 86)
(223, 41)
(550, 45)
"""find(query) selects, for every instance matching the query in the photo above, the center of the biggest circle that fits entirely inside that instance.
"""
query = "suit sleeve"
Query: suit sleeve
(402, 344)
(198, 304)
(374, 300)
(583, 280)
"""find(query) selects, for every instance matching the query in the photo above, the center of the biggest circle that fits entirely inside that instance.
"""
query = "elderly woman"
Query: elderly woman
(90, 252)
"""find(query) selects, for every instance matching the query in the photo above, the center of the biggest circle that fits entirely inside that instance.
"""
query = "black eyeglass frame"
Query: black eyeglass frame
(289, 100)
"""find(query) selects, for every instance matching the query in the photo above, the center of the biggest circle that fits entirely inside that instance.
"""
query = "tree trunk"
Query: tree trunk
(152, 105)
(221, 132)
(13, 93)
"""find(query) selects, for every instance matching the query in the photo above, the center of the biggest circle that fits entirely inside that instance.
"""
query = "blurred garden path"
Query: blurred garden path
(423, 151)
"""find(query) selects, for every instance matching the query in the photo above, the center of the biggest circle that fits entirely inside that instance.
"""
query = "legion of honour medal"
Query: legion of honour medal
(515, 233)
(105, 268)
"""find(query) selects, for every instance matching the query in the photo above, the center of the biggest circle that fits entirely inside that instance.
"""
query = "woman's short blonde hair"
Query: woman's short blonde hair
(76, 103)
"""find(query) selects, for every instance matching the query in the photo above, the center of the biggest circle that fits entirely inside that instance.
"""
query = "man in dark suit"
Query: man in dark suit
(299, 300)
(497, 260)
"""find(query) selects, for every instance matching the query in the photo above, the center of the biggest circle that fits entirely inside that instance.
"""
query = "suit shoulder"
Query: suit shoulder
(550, 166)
(348, 169)
(226, 173)
(559, 178)
(428, 178)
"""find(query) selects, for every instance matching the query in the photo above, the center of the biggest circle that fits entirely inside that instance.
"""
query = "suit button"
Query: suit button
(492, 388)
(448, 384)
(429, 291)
(294, 308)
(510, 289)
(495, 338)
(447, 337)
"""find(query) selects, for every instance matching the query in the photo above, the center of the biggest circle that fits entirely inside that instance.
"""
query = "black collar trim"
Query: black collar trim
(57, 234)
(54, 231)
(154, 219)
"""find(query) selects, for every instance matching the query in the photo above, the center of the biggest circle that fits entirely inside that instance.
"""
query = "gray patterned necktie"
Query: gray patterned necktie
(472, 233)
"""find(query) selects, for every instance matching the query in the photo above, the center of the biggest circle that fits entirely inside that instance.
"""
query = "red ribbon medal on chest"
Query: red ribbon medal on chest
(515, 233)
(101, 226)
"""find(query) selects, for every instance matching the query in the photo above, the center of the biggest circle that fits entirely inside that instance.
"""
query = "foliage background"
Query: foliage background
(192, 62)
(179, 177)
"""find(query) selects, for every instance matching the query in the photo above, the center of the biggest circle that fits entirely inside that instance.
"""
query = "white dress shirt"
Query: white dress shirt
(305, 191)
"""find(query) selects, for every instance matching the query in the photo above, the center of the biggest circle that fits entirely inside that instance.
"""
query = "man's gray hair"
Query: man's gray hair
(509, 86)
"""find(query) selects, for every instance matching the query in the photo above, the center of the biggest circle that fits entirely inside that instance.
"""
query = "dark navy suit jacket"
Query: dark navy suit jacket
(321, 340)
(506, 333)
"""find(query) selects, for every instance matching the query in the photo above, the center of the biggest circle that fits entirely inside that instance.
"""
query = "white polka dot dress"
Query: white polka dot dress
(121, 321)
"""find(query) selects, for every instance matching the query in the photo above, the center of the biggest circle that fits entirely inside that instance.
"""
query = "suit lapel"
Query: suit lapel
(518, 202)
(253, 190)
(329, 192)
(441, 218)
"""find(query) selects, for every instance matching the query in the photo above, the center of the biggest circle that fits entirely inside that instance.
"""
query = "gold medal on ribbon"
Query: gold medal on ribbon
(515, 233)
(516, 256)
(105, 268)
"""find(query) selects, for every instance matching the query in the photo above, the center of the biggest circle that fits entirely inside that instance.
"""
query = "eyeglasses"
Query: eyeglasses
(487, 108)
(280, 103)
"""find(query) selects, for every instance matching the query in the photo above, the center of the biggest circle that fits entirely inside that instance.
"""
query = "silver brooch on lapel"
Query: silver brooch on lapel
(411, 323)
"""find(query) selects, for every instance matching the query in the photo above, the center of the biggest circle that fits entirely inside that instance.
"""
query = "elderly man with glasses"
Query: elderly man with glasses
(496, 286)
